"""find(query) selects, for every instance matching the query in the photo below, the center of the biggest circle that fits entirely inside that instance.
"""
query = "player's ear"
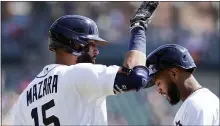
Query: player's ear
(174, 73)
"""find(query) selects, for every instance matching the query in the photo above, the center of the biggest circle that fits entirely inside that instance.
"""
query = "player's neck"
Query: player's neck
(190, 85)
(65, 59)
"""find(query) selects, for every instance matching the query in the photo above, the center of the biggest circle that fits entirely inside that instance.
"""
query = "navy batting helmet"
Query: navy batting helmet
(166, 56)
(72, 32)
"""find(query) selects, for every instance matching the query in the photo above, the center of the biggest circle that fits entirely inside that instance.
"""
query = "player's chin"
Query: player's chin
(173, 101)
(94, 60)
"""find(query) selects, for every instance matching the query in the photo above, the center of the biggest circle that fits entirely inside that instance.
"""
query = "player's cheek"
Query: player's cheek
(90, 52)
(96, 51)
(164, 87)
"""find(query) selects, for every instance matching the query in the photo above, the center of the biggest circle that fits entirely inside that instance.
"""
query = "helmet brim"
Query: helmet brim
(99, 41)
(149, 82)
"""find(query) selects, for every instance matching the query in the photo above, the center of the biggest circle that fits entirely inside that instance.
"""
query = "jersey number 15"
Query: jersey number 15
(46, 121)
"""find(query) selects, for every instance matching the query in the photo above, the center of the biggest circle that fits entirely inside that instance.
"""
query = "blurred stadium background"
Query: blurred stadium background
(194, 25)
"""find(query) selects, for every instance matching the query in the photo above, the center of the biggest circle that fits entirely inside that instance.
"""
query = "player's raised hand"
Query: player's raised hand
(143, 15)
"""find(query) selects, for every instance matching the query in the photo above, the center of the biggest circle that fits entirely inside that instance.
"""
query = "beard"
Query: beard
(173, 93)
(85, 58)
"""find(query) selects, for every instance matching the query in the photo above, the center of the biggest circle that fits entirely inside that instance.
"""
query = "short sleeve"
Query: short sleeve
(93, 81)
(198, 115)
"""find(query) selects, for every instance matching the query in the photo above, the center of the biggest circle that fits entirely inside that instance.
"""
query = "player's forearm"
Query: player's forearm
(134, 75)
(137, 49)
(139, 24)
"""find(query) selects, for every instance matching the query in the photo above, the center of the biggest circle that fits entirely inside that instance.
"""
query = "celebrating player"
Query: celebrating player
(71, 92)
(170, 69)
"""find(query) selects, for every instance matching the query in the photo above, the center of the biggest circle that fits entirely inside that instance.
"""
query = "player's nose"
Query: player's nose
(159, 90)
(96, 51)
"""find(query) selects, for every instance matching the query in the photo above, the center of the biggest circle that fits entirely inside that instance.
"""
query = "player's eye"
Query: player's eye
(157, 83)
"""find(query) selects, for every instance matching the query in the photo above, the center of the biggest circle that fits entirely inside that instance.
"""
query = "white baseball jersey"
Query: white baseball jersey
(200, 108)
(66, 95)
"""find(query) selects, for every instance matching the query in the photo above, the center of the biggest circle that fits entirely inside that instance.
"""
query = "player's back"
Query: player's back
(52, 98)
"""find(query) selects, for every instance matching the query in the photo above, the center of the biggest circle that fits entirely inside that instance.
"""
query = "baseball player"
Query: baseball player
(170, 69)
(72, 92)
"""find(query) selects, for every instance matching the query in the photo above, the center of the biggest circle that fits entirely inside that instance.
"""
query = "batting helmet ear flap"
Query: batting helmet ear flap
(57, 40)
